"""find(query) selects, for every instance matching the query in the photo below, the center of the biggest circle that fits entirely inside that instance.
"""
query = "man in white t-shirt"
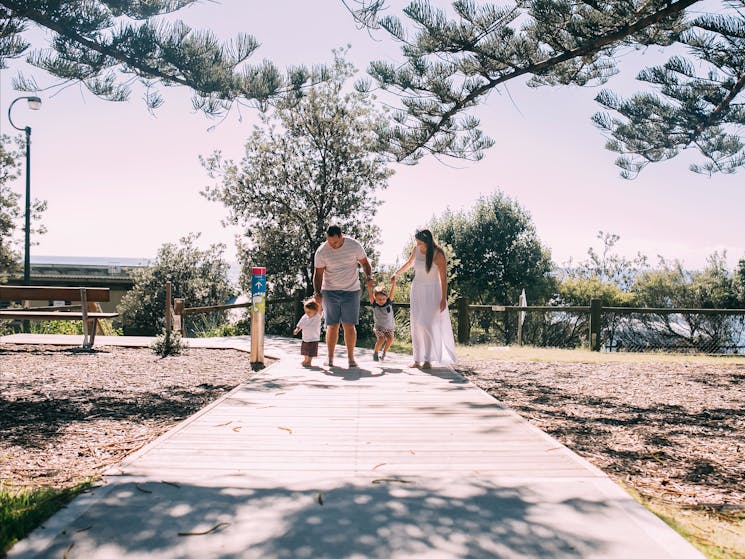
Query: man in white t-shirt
(336, 282)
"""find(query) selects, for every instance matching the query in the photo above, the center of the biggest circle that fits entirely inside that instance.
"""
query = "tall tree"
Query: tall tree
(452, 63)
(313, 161)
(498, 252)
(10, 210)
(607, 266)
(109, 44)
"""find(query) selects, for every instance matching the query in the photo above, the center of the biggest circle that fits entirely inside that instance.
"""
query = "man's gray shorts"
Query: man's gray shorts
(341, 306)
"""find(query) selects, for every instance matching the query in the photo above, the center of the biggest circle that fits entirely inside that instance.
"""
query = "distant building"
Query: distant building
(71, 271)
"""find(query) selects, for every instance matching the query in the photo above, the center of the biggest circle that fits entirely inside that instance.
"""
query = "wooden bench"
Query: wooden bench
(84, 295)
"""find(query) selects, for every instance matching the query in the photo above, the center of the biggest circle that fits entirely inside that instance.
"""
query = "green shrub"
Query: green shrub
(56, 327)
(200, 277)
(168, 343)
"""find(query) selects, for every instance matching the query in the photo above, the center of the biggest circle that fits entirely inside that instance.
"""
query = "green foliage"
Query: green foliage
(168, 343)
(56, 327)
(68, 327)
(607, 266)
(313, 162)
(453, 59)
(11, 214)
(579, 291)
(739, 283)
(22, 510)
(200, 277)
(213, 325)
(10, 210)
(672, 286)
(698, 103)
(496, 252)
(106, 46)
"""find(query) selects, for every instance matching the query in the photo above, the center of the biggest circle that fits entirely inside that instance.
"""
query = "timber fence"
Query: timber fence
(599, 328)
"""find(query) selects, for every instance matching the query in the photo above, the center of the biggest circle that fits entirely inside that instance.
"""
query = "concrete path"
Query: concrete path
(379, 461)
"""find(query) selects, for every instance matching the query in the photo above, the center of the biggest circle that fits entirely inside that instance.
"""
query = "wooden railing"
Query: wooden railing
(176, 313)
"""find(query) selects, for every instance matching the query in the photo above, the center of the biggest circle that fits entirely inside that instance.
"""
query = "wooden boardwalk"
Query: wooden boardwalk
(380, 461)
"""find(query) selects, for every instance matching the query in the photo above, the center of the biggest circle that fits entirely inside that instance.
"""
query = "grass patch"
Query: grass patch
(716, 532)
(23, 509)
(529, 353)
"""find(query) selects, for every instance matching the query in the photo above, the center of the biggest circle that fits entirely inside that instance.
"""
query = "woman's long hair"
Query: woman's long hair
(425, 235)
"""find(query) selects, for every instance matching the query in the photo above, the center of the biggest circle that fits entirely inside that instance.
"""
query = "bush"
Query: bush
(168, 343)
(199, 277)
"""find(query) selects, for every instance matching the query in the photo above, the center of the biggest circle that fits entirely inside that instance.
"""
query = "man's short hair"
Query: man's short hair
(333, 231)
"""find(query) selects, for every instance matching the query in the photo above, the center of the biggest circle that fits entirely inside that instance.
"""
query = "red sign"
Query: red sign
(258, 271)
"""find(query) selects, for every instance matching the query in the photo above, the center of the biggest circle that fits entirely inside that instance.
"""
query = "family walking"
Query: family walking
(337, 296)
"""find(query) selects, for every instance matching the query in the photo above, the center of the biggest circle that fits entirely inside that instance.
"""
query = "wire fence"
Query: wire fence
(714, 331)
(689, 331)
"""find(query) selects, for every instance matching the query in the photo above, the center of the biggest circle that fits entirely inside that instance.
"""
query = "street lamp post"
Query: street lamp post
(34, 103)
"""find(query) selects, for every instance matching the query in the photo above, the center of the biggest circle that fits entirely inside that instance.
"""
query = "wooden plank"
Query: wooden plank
(49, 293)
(43, 315)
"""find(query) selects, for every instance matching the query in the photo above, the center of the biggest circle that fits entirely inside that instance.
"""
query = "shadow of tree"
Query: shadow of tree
(36, 420)
(385, 519)
(591, 425)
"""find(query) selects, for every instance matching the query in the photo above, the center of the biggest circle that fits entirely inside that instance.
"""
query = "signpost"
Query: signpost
(258, 309)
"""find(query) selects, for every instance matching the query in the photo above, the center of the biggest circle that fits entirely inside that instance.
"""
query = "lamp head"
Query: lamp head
(34, 103)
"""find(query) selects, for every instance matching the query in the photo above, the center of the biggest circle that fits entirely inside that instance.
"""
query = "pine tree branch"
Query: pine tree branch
(588, 48)
(721, 108)
(21, 10)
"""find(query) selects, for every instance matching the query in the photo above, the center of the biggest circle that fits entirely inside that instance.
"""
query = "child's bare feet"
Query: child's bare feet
(426, 365)
(413, 365)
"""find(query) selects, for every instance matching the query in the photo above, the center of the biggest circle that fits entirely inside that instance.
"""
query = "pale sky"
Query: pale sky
(120, 182)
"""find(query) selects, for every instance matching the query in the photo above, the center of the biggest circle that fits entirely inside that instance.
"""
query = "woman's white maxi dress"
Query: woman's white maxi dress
(431, 332)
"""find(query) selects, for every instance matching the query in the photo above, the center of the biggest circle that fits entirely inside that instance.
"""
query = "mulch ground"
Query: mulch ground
(66, 415)
(672, 431)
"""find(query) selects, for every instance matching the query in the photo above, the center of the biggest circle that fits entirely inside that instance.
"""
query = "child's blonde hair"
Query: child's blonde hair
(380, 290)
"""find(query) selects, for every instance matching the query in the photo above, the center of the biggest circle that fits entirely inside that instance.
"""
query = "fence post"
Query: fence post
(258, 308)
(299, 309)
(464, 321)
(595, 314)
(168, 306)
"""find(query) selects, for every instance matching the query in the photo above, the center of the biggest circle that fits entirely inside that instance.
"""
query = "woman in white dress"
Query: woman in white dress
(431, 332)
